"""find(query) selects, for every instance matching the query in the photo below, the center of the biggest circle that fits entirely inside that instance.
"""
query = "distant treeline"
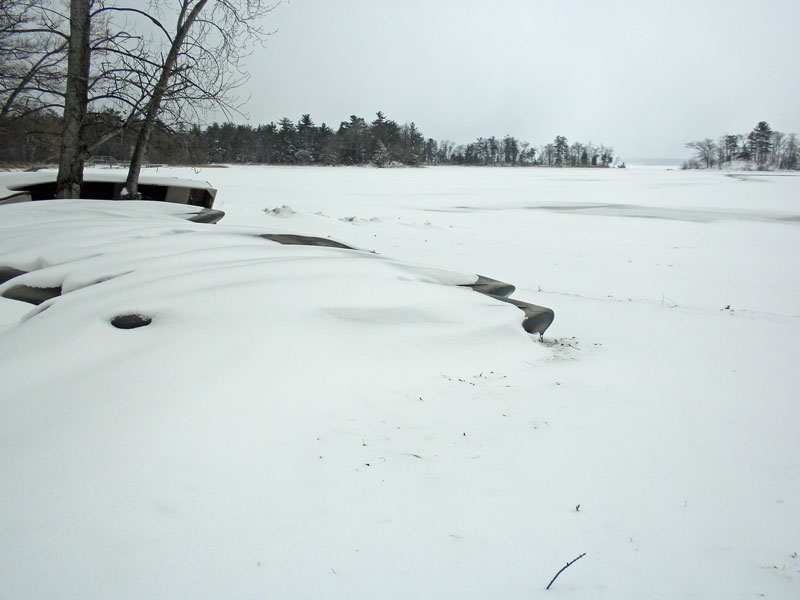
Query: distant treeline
(762, 148)
(381, 142)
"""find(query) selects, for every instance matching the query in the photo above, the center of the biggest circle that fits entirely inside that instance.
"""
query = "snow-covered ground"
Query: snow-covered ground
(306, 422)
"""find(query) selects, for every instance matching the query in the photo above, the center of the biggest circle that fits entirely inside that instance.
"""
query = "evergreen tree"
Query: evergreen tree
(354, 138)
(760, 142)
(286, 141)
(431, 152)
(384, 140)
(560, 149)
(306, 150)
(412, 143)
(328, 145)
(731, 147)
(494, 150)
(510, 150)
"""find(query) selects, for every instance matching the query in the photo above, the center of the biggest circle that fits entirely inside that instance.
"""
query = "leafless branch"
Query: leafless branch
(562, 569)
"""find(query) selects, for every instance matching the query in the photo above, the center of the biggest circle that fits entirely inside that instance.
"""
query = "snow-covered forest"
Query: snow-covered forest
(762, 148)
(122, 85)
(381, 142)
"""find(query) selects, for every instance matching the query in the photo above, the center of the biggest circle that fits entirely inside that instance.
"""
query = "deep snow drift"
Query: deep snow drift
(305, 422)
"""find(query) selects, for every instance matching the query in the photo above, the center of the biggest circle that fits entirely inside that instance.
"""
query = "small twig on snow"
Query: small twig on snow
(562, 568)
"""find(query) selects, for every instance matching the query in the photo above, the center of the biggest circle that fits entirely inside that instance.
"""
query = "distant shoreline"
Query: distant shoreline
(655, 162)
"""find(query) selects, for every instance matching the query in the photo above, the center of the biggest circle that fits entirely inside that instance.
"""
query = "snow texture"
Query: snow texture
(314, 422)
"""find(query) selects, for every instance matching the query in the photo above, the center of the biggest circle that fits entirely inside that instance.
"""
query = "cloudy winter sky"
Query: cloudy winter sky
(644, 77)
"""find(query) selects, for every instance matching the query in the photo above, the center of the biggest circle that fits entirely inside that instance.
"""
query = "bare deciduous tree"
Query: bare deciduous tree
(201, 66)
(705, 150)
(119, 56)
(32, 58)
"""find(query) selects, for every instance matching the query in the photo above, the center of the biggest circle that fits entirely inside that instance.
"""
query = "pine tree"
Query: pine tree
(286, 141)
(307, 149)
(510, 150)
(560, 149)
(760, 142)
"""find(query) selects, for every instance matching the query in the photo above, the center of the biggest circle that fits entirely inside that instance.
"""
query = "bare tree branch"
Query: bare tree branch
(562, 569)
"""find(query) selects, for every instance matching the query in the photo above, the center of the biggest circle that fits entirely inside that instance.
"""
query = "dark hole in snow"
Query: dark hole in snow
(32, 295)
(131, 321)
(7, 273)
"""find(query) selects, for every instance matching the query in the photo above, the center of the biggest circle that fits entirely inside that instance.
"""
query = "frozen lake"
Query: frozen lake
(313, 422)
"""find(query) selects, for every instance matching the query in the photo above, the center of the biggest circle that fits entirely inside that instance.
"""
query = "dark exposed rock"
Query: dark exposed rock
(207, 215)
(492, 287)
(537, 318)
(303, 240)
(30, 294)
(7, 273)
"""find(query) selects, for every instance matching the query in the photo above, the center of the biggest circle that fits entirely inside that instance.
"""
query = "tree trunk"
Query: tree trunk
(131, 190)
(73, 144)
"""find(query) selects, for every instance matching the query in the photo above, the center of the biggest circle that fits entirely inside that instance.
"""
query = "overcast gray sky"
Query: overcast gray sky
(644, 77)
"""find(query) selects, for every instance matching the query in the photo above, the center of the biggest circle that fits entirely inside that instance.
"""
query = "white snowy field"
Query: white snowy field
(310, 422)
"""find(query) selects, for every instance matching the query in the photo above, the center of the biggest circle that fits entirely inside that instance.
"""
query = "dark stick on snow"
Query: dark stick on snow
(562, 568)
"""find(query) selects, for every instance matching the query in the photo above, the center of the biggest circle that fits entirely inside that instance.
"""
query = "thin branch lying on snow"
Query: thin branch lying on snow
(562, 568)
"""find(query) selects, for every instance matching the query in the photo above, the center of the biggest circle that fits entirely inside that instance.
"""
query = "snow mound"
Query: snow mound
(322, 422)
(187, 366)
(280, 211)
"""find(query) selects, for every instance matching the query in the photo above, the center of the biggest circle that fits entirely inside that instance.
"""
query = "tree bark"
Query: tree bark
(73, 144)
